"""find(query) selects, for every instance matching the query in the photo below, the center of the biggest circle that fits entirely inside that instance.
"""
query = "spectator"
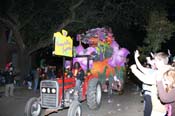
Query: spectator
(43, 73)
(166, 90)
(173, 62)
(147, 87)
(2, 78)
(50, 73)
(9, 80)
(36, 74)
(170, 57)
(161, 61)
(29, 80)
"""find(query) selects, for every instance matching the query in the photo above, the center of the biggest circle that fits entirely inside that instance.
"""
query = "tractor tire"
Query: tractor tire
(33, 108)
(94, 94)
(75, 109)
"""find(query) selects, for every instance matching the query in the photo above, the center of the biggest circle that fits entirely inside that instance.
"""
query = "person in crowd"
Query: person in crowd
(170, 57)
(161, 61)
(2, 78)
(147, 71)
(50, 73)
(9, 80)
(29, 80)
(43, 73)
(17, 82)
(36, 75)
(166, 90)
(173, 62)
(79, 74)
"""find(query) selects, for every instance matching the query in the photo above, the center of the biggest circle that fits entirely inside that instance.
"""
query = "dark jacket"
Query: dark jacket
(9, 77)
(80, 75)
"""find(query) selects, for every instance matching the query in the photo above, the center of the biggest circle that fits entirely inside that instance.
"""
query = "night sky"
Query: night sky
(128, 26)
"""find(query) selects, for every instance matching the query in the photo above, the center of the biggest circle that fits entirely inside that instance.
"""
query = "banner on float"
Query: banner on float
(63, 44)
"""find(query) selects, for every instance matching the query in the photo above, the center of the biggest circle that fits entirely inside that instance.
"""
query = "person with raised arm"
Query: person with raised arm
(161, 61)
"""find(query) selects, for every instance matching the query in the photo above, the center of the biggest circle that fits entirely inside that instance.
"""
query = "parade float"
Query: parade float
(108, 58)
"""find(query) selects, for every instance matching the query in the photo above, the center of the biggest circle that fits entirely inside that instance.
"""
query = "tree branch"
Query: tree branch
(61, 26)
(28, 20)
(72, 18)
(41, 44)
(76, 5)
(7, 22)
(12, 18)
(16, 32)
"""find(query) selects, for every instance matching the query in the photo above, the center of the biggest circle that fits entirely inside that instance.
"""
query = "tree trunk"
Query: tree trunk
(3, 48)
(24, 63)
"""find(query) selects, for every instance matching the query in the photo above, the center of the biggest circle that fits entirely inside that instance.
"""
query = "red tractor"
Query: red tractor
(60, 93)
(105, 63)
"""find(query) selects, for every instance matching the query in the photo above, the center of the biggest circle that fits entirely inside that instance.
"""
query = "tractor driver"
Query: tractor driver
(78, 73)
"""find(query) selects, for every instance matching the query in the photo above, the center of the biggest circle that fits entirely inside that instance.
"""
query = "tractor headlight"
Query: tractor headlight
(53, 90)
(48, 90)
(43, 90)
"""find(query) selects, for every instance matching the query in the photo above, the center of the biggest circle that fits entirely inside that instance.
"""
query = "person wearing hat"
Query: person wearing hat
(9, 80)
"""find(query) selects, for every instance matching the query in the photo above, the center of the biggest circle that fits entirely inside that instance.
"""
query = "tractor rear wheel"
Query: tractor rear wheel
(94, 94)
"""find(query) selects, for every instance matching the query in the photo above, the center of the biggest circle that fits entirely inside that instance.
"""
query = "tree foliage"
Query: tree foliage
(36, 21)
(159, 31)
(33, 22)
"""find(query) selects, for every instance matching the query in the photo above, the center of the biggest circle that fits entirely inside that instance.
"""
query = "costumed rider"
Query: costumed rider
(78, 73)
(68, 71)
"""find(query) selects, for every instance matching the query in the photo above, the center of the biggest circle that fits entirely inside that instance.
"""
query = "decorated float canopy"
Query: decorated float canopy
(63, 44)
(102, 46)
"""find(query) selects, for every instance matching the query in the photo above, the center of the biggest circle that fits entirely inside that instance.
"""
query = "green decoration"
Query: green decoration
(102, 76)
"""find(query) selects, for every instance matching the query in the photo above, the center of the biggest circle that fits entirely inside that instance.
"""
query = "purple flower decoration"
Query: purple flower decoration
(79, 49)
(114, 44)
(124, 52)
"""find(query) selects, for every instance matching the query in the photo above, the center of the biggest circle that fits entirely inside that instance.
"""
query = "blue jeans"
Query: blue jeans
(147, 105)
(78, 84)
(35, 84)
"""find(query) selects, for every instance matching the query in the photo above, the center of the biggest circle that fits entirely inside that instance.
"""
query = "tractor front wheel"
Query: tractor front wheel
(75, 109)
(33, 108)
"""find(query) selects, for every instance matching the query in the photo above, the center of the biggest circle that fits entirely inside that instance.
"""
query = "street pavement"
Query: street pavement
(127, 104)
